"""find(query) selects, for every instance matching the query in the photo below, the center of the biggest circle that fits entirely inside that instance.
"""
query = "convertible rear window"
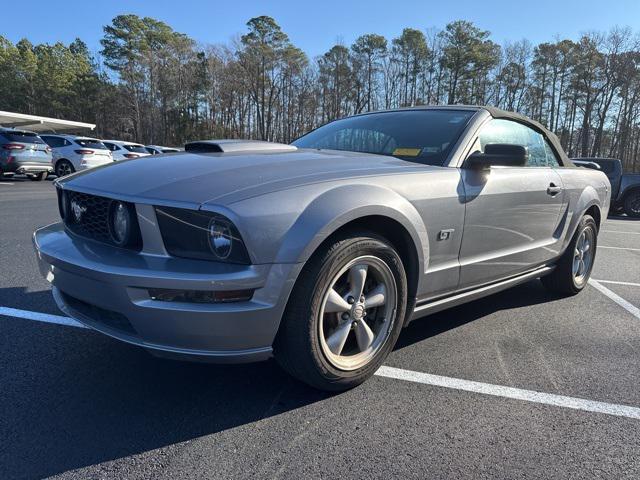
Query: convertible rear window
(423, 136)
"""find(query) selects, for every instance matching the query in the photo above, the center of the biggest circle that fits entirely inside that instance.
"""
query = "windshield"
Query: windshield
(91, 143)
(423, 136)
(135, 148)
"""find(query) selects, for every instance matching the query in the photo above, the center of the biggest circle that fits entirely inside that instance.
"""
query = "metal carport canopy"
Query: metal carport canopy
(36, 123)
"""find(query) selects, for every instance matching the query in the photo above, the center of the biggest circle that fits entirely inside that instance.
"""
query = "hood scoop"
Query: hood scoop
(228, 146)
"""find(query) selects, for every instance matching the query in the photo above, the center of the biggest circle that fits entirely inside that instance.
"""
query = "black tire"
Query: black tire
(39, 177)
(64, 167)
(563, 280)
(297, 346)
(632, 204)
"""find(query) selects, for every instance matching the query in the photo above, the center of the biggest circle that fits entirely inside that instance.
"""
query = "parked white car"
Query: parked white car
(71, 153)
(125, 150)
(158, 149)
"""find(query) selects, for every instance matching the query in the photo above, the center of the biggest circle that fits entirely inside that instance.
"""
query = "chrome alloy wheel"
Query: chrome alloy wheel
(583, 256)
(357, 312)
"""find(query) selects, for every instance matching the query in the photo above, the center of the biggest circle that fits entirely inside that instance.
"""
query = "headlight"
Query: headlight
(200, 235)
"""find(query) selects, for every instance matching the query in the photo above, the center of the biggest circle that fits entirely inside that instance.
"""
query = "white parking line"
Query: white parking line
(511, 392)
(620, 248)
(632, 309)
(621, 231)
(614, 282)
(437, 380)
(40, 317)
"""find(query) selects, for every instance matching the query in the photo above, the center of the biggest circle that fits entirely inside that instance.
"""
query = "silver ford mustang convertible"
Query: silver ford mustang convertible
(319, 252)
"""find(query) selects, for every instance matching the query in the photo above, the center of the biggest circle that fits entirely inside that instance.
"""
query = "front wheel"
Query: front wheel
(632, 204)
(344, 314)
(573, 270)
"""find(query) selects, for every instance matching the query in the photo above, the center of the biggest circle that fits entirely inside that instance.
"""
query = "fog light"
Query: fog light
(199, 296)
(220, 238)
(120, 224)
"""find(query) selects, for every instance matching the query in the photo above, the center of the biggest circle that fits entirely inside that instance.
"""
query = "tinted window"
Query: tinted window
(111, 146)
(91, 143)
(506, 131)
(54, 142)
(424, 136)
(135, 148)
(21, 137)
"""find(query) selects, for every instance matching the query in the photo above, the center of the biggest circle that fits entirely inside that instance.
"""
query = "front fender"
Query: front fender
(340, 205)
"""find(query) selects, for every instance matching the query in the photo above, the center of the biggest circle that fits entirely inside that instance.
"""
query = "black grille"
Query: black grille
(93, 220)
(109, 318)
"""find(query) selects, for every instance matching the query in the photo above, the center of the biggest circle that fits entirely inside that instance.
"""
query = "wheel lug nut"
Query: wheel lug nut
(350, 300)
(345, 316)
(362, 299)
(355, 324)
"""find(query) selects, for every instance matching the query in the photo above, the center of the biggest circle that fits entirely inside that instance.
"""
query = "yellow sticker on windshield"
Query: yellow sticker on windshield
(407, 152)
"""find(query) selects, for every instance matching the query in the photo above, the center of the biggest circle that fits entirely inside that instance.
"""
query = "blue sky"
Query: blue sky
(315, 26)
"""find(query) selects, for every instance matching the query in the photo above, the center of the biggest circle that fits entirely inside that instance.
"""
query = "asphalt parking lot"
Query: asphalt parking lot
(76, 404)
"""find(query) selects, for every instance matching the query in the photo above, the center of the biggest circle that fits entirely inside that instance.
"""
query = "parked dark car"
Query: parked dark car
(625, 187)
(24, 152)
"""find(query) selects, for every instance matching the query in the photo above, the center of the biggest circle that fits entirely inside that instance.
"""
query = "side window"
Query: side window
(514, 133)
(111, 146)
(53, 142)
(552, 158)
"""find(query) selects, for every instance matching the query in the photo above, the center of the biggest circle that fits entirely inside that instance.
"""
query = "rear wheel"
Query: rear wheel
(632, 204)
(344, 315)
(64, 167)
(573, 270)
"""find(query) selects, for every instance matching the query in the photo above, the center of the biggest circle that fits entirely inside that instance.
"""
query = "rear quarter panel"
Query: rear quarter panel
(583, 188)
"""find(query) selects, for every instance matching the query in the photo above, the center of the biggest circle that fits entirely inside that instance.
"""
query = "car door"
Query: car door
(512, 213)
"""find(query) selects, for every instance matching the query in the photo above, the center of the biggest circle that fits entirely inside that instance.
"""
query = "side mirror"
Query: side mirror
(498, 154)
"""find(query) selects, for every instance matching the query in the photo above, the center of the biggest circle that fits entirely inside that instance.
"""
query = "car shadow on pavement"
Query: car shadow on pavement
(71, 397)
(527, 294)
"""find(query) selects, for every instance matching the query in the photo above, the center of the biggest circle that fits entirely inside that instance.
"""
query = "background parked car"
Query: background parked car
(158, 149)
(625, 187)
(25, 152)
(72, 153)
(125, 150)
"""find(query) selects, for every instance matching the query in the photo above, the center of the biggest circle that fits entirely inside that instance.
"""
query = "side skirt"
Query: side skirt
(424, 309)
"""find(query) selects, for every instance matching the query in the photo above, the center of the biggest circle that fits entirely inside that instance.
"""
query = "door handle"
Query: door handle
(553, 189)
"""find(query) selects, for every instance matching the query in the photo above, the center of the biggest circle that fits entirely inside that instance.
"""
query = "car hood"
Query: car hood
(224, 178)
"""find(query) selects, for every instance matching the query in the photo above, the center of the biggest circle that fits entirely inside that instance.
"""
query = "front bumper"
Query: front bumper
(106, 288)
